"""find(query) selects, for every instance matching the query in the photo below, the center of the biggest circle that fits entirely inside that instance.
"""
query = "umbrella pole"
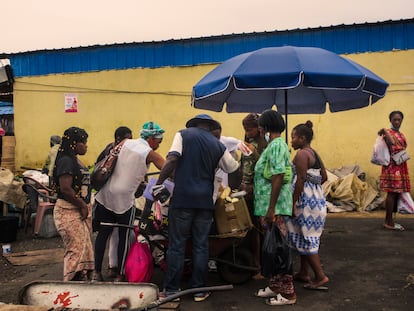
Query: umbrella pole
(286, 116)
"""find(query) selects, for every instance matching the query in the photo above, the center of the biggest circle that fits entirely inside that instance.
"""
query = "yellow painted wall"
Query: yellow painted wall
(108, 99)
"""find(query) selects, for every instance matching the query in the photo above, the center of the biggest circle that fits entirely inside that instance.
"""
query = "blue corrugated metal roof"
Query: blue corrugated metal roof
(341, 39)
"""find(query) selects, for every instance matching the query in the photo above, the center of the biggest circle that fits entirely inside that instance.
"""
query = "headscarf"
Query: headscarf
(151, 129)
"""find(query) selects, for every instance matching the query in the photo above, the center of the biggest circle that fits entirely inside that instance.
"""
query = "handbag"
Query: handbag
(104, 168)
(381, 153)
(276, 254)
(400, 157)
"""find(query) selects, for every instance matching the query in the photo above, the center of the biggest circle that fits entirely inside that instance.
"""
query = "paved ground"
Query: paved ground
(368, 267)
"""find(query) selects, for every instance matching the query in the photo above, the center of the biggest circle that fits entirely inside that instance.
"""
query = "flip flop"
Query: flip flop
(314, 287)
(396, 227)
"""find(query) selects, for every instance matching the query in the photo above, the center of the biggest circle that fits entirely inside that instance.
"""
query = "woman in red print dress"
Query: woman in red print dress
(394, 178)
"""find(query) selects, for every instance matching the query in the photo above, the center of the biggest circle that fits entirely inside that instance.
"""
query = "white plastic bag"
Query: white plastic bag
(38, 176)
(381, 153)
(405, 203)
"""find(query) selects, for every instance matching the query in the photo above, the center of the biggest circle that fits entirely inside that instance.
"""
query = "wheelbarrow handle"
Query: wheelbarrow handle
(111, 224)
(159, 302)
(152, 173)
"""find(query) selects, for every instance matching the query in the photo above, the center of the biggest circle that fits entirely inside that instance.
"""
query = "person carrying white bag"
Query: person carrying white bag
(381, 154)
(394, 179)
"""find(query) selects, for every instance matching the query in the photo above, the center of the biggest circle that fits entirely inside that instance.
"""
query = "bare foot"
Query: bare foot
(319, 283)
(258, 276)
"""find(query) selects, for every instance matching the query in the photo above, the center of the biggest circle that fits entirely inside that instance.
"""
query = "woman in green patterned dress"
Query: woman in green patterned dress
(273, 198)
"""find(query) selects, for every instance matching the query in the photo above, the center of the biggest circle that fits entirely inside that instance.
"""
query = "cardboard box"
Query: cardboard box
(232, 217)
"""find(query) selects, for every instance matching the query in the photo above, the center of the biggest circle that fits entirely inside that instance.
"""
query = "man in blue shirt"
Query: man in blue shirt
(193, 158)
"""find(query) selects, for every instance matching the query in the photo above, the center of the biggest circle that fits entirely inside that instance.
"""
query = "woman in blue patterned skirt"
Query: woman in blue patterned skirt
(309, 207)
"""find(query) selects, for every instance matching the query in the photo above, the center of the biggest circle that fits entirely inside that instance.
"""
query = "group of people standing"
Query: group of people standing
(193, 158)
(287, 195)
(279, 192)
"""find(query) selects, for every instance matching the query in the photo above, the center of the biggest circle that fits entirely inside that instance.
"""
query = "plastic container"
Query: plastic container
(8, 228)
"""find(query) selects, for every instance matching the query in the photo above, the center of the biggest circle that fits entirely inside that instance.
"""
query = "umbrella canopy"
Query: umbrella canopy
(297, 80)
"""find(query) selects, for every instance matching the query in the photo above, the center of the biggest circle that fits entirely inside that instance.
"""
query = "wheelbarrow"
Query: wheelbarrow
(233, 256)
(100, 295)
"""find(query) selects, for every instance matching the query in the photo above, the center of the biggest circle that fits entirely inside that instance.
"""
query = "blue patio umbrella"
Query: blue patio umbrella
(297, 80)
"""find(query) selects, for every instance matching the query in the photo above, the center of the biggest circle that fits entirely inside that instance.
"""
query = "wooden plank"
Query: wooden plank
(36, 257)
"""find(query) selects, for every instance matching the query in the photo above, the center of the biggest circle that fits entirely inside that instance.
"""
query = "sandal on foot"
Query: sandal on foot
(315, 287)
(265, 293)
(279, 300)
(396, 227)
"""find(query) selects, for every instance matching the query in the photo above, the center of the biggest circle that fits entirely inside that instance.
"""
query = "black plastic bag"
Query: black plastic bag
(276, 255)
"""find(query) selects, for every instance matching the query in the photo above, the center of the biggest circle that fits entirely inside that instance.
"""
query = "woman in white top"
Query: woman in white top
(115, 201)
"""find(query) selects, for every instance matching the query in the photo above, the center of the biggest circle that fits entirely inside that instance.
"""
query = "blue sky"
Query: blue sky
(51, 24)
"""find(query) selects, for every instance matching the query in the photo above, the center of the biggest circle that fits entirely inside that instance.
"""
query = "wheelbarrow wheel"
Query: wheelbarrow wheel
(238, 256)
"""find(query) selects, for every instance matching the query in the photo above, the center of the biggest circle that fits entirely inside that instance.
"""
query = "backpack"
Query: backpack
(104, 168)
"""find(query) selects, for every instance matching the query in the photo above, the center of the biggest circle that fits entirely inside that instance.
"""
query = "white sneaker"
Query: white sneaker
(265, 293)
(279, 300)
(164, 294)
(201, 296)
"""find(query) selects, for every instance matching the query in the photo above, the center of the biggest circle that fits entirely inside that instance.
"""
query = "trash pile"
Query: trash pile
(347, 190)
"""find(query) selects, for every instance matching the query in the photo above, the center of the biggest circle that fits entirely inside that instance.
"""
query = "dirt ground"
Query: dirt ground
(369, 269)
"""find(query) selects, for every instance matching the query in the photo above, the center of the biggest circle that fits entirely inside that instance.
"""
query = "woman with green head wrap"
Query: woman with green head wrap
(152, 133)
(115, 202)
